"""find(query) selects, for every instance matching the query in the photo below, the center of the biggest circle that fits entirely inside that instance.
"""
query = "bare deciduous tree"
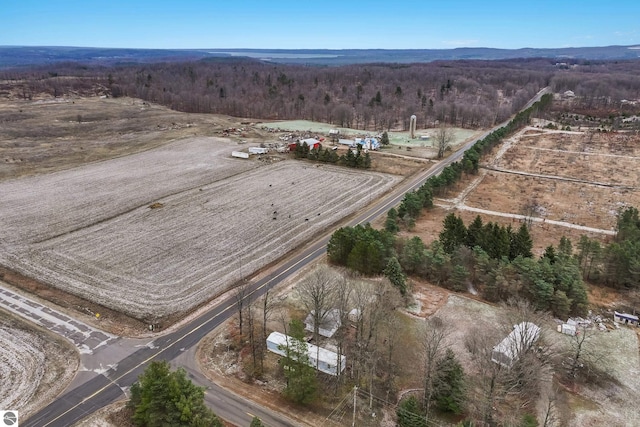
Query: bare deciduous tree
(444, 136)
(239, 295)
(318, 293)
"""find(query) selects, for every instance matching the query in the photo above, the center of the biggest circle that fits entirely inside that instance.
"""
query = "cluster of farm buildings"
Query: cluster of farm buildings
(364, 143)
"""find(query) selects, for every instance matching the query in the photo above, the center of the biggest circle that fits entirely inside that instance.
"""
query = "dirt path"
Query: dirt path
(560, 178)
(463, 207)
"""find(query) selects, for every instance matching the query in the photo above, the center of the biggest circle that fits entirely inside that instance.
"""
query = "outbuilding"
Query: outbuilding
(323, 360)
(567, 329)
(328, 325)
(625, 318)
(521, 338)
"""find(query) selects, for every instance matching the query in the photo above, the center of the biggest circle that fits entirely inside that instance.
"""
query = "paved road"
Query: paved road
(104, 389)
(85, 337)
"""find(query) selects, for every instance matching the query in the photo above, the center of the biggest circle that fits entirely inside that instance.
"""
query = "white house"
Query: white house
(320, 358)
(328, 326)
(523, 336)
(625, 318)
(367, 143)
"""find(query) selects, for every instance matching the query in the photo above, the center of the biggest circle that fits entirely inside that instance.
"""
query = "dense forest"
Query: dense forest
(469, 94)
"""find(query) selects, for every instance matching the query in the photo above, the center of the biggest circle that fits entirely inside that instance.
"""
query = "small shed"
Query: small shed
(320, 358)
(334, 132)
(567, 329)
(354, 315)
(329, 324)
(625, 318)
(521, 338)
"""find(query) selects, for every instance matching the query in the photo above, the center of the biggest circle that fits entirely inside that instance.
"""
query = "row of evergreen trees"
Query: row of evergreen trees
(440, 184)
(499, 263)
(496, 240)
(359, 159)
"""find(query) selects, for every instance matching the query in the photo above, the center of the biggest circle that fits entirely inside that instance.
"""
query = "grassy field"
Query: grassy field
(395, 137)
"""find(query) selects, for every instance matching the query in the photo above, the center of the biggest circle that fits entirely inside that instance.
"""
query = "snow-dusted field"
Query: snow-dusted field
(34, 368)
(90, 231)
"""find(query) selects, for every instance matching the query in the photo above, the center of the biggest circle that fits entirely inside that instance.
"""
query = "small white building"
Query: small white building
(625, 318)
(334, 132)
(567, 329)
(258, 150)
(320, 358)
(349, 142)
(328, 325)
(354, 315)
(523, 336)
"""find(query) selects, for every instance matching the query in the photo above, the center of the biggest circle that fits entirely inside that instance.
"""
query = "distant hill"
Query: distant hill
(18, 56)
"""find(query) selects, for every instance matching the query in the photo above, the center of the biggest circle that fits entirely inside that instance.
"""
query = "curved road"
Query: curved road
(108, 387)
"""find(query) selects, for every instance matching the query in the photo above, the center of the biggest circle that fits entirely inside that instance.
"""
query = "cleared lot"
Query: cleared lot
(157, 233)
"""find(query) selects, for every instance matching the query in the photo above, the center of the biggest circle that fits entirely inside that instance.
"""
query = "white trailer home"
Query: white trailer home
(320, 358)
(625, 318)
(258, 150)
(240, 154)
(523, 336)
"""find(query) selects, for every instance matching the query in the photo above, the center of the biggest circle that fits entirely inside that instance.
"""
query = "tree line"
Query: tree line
(358, 159)
(618, 263)
(414, 201)
(470, 94)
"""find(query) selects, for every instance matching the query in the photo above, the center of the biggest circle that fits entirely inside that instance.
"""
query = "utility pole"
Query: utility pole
(355, 393)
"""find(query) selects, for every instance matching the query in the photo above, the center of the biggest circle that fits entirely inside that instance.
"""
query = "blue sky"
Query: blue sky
(331, 24)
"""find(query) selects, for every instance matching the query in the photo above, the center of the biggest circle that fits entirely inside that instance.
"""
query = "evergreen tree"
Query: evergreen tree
(394, 273)
(628, 225)
(412, 256)
(256, 422)
(453, 234)
(341, 244)
(391, 223)
(550, 254)
(300, 375)
(458, 279)
(409, 414)
(561, 304)
(449, 388)
(161, 398)
(475, 235)
(522, 243)
(411, 205)
(384, 140)
(367, 161)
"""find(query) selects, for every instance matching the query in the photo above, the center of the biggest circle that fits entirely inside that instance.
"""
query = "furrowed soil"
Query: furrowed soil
(35, 365)
(159, 211)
